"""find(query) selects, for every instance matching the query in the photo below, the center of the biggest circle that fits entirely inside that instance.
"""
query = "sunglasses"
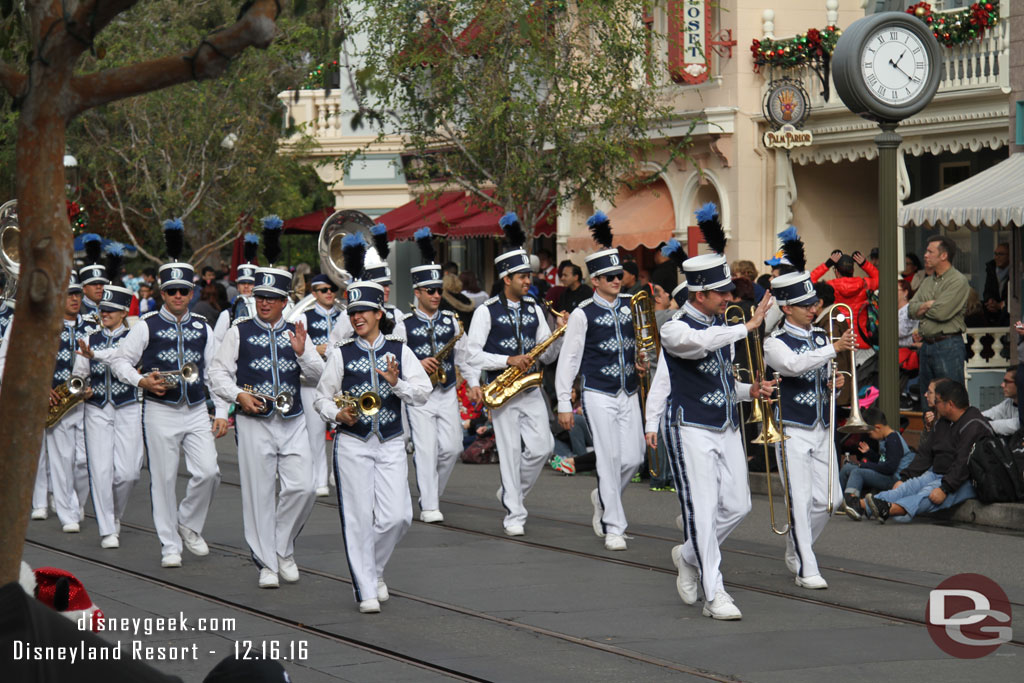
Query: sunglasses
(178, 291)
(613, 277)
(432, 290)
(323, 290)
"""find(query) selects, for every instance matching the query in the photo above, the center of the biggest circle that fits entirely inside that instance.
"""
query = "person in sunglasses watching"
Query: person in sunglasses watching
(320, 322)
(174, 416)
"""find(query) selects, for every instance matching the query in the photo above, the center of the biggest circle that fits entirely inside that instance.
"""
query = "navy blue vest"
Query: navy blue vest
(172, 344)
(90, 311)
(609, 352)
(513, 331)
(6, 316)
(361, 365)
(105, 385)
(703, 390)
(69, 336)
(427, 336)
(319, 326)
(266, 361)
(240, 309)
(804, 398)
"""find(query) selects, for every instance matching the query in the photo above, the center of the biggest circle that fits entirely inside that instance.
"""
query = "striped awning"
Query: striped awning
(993, 198)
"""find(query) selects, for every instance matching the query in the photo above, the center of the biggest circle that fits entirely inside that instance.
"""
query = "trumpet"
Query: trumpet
(283, 402)
(71, 393)
(368, 403)
(189, 373)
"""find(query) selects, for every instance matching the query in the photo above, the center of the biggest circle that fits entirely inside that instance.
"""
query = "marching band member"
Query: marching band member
(703, 426)
(243, 306)
(320, 322)
(369, 453)
(174, 410)
(6, 315)
(381, 274)
(504, 329)
(263, 355)
(600, 343)
(113, 415)
(801, 354)
(436, 426)
(93, 277)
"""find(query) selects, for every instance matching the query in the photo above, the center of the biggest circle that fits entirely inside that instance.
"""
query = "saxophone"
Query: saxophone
(513, 380)
(71, 393)
(439, 376)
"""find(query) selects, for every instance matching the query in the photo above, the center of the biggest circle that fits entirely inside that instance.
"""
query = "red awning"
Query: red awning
(441, 219)
(411, 214)
(311, 222)
(645, 218)
(452, 214)
(485, 224)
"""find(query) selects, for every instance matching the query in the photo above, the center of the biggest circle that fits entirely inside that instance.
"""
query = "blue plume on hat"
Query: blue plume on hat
(788, 234)
(353, 250)
(379, 232)
(674, 250)
(425, 241)
(601, 229)
(513, 230)
(272, 238)
(174, 237)
(711, 227)
(251, 242)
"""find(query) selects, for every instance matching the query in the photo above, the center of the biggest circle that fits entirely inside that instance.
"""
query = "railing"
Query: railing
(988, 348)
(320, 117)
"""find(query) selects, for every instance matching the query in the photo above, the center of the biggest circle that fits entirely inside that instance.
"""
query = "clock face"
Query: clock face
(895, 65)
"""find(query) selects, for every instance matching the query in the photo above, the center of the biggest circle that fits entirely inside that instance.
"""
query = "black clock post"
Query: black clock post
(888, 142)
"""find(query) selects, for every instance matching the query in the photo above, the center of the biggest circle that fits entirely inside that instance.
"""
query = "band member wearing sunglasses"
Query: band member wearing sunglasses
(436, 426)
(174, 413)
(320, 322)
(257, 366)
(600, 344)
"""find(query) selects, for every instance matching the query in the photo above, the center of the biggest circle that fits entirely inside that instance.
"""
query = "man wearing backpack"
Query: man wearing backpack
(939, 476)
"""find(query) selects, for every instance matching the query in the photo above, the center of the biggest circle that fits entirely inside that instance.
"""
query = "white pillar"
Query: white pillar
(831, 12)
(768, 23)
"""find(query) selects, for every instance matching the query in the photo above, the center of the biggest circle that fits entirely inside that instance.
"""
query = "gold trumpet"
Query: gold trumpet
(648, 345)
(837, 315)
(368, 403)
(71, 393)
(283, 402)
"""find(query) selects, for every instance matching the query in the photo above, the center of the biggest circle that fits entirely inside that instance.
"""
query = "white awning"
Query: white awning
(994, 199)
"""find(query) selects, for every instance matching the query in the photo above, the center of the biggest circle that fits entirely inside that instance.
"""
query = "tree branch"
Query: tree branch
(209, 60)
(12, 80)
(120, 211)
(231, 233)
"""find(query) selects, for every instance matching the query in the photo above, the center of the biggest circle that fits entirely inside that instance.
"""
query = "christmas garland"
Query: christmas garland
(790, 52)
(78, 217)
(962, 26)
(316, 79)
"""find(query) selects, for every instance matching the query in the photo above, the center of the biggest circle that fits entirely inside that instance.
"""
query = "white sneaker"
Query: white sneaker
(110, 542)
(371, 606)
(40, 513)
(686, 582)
(268, 578)
(792, 564)
(816, 582)
(722, 607)
(193, 541)
(679, 523)
(71, 528)
(287, 568)
(431, 516)
(382, 591)
(170, 560)
(595, 521)
(323, 492)
(514, 530)
(614, 542)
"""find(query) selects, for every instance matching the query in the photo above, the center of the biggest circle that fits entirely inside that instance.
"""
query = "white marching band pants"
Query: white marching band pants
(436, 428)
(167, 430)
(374, 505)
(272, 449)
(524, 441)
(617, 429)
(63, 468)
(710, 469)
(807, 458)
(113, 438)
(315, 430)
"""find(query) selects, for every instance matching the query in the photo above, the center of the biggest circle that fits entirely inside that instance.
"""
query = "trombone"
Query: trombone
(837, 315)
(771, 432)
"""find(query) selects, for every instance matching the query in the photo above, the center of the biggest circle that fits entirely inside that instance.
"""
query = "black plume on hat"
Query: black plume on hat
(93, 248)
(174, 237)
(115, 256)
(272, 238)
(513, 230)
(601, 229)
(251, 244)
(674, 250)
(793, 248)
(353, 250)
(379, 232)
(425, 241)
(711, 227)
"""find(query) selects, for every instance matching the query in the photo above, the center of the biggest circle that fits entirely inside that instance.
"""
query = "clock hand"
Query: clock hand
(896, 65)
(900, 58)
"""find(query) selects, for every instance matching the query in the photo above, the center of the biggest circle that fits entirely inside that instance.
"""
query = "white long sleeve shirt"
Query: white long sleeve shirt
(224, 368)
(787, 362)
(1003, 416)
(129, 352)
(413, 385)
(657, 396)
(476, 338)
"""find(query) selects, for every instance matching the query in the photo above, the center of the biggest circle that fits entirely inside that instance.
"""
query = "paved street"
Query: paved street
(469, 603)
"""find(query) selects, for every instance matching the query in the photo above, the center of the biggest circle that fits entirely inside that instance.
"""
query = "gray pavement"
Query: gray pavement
(556, 606)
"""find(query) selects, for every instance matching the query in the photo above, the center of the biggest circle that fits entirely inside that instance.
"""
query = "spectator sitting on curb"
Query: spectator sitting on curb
(880, 470)
(1004, 416)
(938, 477)
(574, 448)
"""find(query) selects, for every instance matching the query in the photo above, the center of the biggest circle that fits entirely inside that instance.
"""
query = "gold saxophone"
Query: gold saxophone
(439, 376)
(513, 380)
(71, 393)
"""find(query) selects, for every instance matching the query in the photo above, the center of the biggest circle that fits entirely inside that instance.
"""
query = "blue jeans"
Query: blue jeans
(912, 496)
(579, 439)
(854, 479)
(941, 360)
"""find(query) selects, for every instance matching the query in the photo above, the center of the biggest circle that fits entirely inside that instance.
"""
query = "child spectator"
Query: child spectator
(880, 469)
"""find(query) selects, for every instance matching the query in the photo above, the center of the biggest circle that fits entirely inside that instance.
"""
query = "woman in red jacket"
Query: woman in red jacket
(851, 290)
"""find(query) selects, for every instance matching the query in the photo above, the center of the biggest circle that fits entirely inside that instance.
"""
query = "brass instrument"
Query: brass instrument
(513, 380)
(283, 402)
(439, 376)
(771, 430)
(837, 314)
(71, 393)
(10, 260)
(368, 403)
(648, 346)
(189, 373)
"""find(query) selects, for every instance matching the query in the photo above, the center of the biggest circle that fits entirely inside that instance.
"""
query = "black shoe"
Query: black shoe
(880, 508)
(852, 506)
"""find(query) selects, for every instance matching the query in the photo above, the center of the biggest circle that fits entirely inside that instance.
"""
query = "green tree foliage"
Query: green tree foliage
(537, 101)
